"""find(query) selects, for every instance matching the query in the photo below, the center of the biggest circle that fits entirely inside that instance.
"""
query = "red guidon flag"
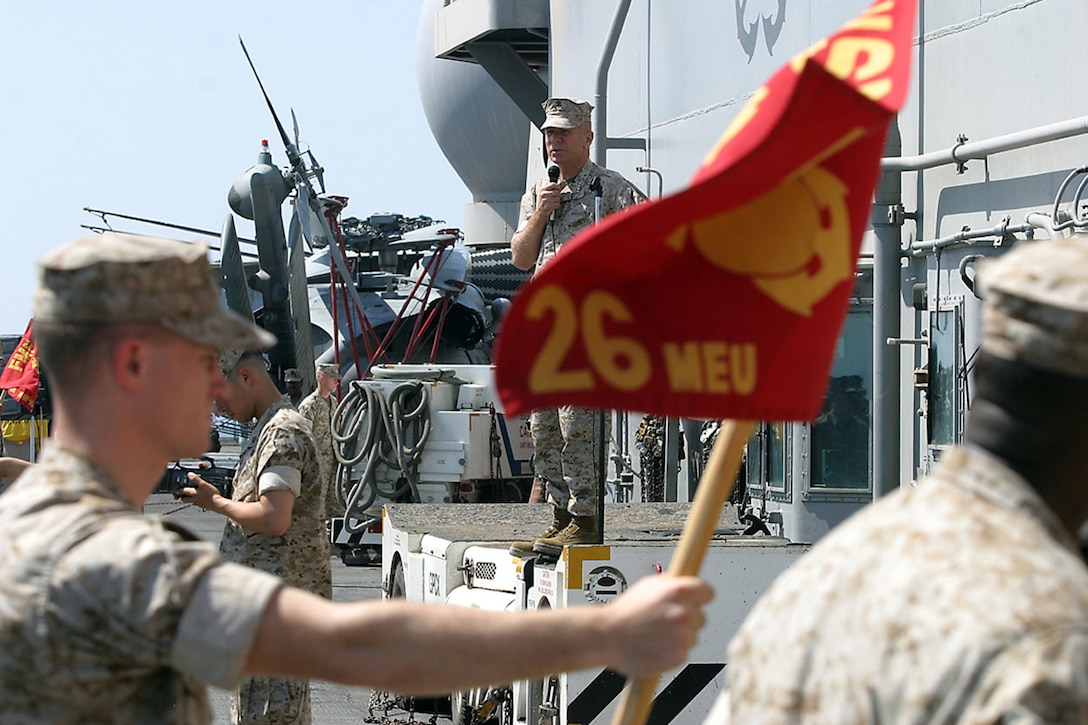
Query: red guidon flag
(21, 377)
(726, 299)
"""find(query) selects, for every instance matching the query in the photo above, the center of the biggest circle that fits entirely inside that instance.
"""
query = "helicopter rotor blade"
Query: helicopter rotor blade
(298, 293)
(302, 213)
(233, 272)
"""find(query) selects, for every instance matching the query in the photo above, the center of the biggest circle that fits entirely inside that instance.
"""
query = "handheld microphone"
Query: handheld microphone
(553, 177)
(598, 191)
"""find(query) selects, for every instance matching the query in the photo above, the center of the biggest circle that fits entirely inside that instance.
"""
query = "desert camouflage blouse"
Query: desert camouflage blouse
(961, 600)
(578, 208)
(283, 437)
(108, 615)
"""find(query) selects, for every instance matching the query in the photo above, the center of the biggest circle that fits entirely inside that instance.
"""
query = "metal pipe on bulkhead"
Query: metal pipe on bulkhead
(967, 150)
(1038, 220)
(600, 96)
(993, 238)
(887, 218)
(600, 157)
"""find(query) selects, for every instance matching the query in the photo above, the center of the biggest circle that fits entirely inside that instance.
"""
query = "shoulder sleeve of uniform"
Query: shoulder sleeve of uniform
(629, 193)
(217, 628)
(1039, 680)
(287, 441)
(619, 192)
(120, 593)
(528, 205)
(306, 406)
(280, 478)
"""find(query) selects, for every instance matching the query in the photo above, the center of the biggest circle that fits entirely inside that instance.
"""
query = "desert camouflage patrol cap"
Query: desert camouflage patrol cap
(1037, 305)
(565, 113)
(229, 358)
(292, 375)
(125, 278)
(329, 370)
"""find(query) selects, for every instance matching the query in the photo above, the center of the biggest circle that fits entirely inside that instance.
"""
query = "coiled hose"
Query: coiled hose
(368, 426)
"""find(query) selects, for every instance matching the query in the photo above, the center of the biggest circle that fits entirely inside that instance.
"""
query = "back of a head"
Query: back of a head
(1032, 372)
(1036, 310)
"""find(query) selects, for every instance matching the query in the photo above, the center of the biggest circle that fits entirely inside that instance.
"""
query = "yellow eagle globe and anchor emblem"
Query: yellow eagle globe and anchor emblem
(793, 242)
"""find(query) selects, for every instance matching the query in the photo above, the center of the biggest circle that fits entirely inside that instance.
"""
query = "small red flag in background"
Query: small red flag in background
(21, 377)
(726, 299)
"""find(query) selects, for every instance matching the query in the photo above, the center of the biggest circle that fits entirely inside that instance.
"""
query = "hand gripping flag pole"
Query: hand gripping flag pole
(724, 300)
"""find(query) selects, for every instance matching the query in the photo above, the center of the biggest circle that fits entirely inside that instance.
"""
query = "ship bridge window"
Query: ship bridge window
(840, 435)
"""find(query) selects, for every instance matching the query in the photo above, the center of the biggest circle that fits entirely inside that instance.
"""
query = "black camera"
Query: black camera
(176, 476)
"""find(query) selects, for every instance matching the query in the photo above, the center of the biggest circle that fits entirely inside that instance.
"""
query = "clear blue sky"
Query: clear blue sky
(149, 108)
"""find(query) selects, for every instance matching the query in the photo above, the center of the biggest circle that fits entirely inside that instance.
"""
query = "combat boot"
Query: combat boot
(561, 520)
(581, 530)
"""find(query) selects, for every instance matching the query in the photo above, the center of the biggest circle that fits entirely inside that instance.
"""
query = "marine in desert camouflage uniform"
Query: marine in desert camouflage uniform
(318, 408)
(963, 599)
(292, 380)
(300, 555)
(567, 441)
(279, 458)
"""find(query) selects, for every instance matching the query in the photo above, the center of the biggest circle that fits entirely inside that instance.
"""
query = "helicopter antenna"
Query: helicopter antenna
(292, 151)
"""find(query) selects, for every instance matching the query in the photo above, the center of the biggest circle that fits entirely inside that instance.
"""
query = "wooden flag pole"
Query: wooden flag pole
(714, 488)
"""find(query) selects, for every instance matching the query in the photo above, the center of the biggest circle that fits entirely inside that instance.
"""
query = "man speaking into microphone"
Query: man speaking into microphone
(567, 440)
